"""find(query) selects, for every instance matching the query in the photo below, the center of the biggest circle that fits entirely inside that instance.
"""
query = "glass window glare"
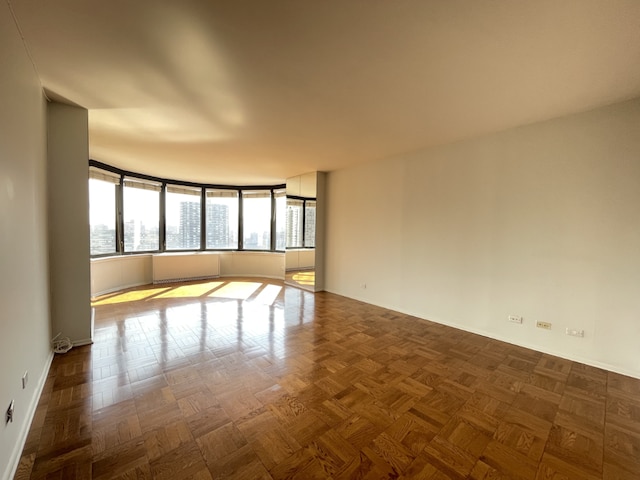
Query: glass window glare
(141, 212)
(102, 211)
(256, 215)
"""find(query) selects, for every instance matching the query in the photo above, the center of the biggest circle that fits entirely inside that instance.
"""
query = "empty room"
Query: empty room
(331, 239)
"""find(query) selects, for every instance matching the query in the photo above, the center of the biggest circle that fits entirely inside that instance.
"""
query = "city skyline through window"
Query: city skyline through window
(222, 219)
(102, 216)
(294, 222)
(310, 223)
(130, 213)
(281, 218)
(182, 211)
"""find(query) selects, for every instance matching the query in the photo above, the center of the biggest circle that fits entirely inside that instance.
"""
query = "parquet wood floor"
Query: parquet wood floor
(248, 379)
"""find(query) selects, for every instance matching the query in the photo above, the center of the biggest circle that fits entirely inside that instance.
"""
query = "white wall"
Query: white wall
(252, 264)
(541, 221)
(68, 186)
(24, 316)
(109, 274)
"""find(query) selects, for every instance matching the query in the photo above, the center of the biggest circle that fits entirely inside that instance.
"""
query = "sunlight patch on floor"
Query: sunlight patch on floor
(305, 278)
(268, 295)
(236, 290)
(195, 290)
(133, 296)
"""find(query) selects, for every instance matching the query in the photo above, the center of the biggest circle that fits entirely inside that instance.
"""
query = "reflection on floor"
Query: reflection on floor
(230, 289)
(252, 379)
(305, 279)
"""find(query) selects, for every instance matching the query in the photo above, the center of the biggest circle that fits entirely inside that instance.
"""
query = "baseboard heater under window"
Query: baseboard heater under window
(177, 267)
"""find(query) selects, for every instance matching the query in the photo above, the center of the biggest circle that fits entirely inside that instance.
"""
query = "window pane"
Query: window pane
(294, 223)
(222, 219)
(256, 213)
(310, 223)
(141, 210)
(281, 219)
(102, 216)
(183, 218)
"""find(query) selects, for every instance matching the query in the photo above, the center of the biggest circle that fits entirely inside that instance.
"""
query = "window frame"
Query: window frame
(119, 203)
(121, 212)
(241, 238)
(275, 194)
(117, 186)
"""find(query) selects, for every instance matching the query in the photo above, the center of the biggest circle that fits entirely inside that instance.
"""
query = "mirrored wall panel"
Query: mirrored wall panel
(304, 231)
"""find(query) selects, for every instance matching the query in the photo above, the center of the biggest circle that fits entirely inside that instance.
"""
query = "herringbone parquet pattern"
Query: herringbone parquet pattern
(248, 379)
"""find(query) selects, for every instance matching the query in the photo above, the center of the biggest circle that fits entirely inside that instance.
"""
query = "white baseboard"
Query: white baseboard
(567, 356)
(14, 459)
(235, 275)
(561, 354)
(185, 279)
(119, 288)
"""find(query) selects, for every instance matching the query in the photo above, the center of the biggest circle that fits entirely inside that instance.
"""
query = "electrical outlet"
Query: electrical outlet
(545, 325)
(515, 319)
(25, 380)
(575, 333)
(363, 286)
(9, 417)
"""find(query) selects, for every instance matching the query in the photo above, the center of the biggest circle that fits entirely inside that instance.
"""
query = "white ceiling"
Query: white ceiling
(255, 91)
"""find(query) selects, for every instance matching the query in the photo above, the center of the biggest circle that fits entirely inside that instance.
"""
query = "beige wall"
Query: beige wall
(68, 159)
(24, 312)
(541, 221)
(110, 274)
